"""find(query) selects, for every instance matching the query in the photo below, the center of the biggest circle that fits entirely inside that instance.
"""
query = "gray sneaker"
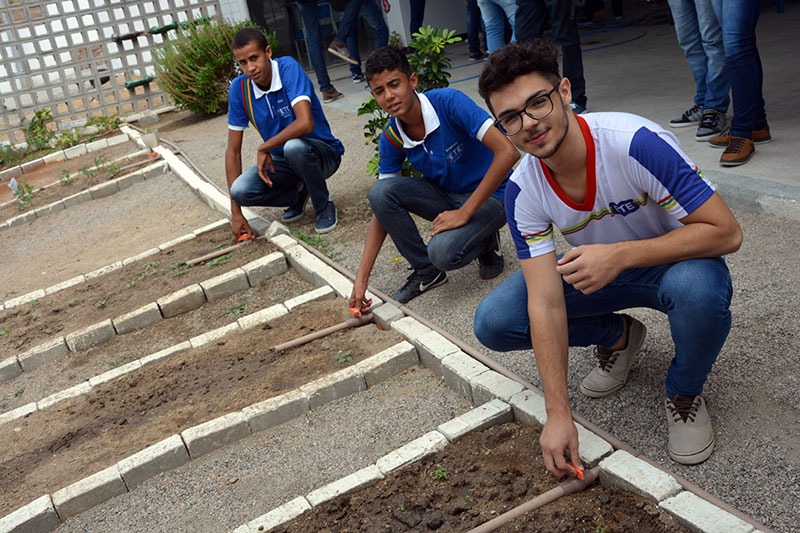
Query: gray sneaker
(712, 124)
(690, 117)
(612, 372)
(691, 437)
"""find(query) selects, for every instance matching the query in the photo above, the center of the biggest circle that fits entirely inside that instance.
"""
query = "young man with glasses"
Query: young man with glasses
(647, 230)
(465, 162)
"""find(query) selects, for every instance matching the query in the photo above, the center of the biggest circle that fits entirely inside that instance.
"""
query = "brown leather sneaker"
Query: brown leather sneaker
(759, 137)
(330, 95)
(738, 152)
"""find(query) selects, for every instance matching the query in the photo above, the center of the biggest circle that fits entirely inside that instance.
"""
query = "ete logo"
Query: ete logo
(624, 208)
(454, 152)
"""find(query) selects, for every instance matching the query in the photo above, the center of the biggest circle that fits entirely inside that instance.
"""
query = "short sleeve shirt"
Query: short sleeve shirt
(452, 152)
(639, 185)
(272, 110)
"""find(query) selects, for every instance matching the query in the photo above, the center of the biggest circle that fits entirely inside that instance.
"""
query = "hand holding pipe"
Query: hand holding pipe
(349, 323)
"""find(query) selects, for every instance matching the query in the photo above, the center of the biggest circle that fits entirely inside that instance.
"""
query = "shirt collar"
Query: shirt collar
(429, 117)
(274, 85)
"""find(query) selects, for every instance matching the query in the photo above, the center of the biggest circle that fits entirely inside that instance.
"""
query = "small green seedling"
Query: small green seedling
(73, 302)
(19, 392)
(112, 169)
(343, 356)
(65, 178)
(221, 260)
(179, 263)
(440, 474)
(236, 310)
(4, 332)
(251, 251)
(24, 195)
(31, 316)
(100, 304)
(131, 283)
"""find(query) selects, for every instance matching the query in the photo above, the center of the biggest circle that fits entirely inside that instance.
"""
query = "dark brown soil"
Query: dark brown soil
(120, 291)
(50, 449)
(78, 182)
(50, 172)
(474, 480)
(68, 371)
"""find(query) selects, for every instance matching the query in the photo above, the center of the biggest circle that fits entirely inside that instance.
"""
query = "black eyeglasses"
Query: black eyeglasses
(537, 108)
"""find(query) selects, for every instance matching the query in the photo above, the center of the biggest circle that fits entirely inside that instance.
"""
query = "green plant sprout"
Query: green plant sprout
(440, 474)
(343, 356)
(4, 332)
(236, 310)
(221, 260)
(19, 392)
(24, 195)
(65, 178)
(100, 304)
(73, 302)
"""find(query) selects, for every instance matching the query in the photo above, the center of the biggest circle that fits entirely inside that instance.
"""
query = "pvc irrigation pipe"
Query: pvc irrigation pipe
(223, 251)
(565, 488)
(349, 323)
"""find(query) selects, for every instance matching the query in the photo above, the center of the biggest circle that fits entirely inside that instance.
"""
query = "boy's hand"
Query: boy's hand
(264, 161)
(239, 225)
(358, 299)
(449, 220)
(589, 267)
(559, 436)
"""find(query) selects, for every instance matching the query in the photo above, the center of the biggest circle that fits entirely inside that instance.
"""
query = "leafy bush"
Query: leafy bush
(37, 134)
(197, 67)
(429, 60)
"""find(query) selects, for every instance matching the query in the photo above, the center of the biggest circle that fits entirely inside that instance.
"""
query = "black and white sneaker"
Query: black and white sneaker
(358, 78)
(490, 262)
(417, 284)
(712, 124)
(690, 117)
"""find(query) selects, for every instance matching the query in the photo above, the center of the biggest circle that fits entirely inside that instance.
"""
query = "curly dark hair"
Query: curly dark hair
(386, 58)
(515, 60)
(246, 36)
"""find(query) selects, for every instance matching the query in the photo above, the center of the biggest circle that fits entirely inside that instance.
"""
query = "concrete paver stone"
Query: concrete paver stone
(37, 516)
(49, 209)
(165, 455)
(9, 369)
(129, 180)
(143, 317)
(279, 515)
(114, 373)
(415, 450)
(96, 145)
(55, 157)
(283, 242)
(176, 241)
(275, 411)
(699, 515)
(267, 267)
(88, 492)
(334, 386)
(386, 314)
(411, 328)
(102, 271)
(388, 363)
(19, 412)
(219, 224)
(214, 334)
(629, 473)
(484, 416)
(276, 228)
(139, 257)
(491, 384)
(25, 298)
(529, 408)
(214, 434)
(224, 285)
(19, 220)
(321, 293)
(263, 316)
(459, 370)
(65, 284)
(165, 353)
(77, 199)
(433, 348)
(75, 151)
(345, 485)
(103, 190)
(13, 172)
(30, 166)
(182, 301)
(592, 448)
(44, 353)
(117, 139)
(304, 263)
(71, 392)
(93, 335)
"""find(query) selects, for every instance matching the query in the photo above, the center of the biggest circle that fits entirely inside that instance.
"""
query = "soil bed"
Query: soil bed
(120, 291)
(50, 172)
(91, 432)
(76, 368)
(474, 480)
(57, 190)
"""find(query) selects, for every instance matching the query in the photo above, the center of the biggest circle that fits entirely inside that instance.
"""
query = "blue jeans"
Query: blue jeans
(474, 26)
(415, 16)
(700, 36)
(695, 295)
(738, 19)
(392, 199)
(305, 160)
(308, 10)
(531, 18)
(373, 14)
(494, 13)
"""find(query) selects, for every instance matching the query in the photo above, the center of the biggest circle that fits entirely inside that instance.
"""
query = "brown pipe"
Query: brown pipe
(565, 488)
(351, 322)
(220, 252)
(469, 350)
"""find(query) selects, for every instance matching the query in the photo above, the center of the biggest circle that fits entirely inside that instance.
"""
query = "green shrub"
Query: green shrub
(37, 134)
(197, 67)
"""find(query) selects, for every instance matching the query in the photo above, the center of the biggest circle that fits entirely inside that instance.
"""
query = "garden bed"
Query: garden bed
(120, 291)
(68, 371)
(90, 432)
(474, 480)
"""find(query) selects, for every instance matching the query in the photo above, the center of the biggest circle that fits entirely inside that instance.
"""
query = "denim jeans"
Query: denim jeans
(531, 18)
(494, 13)
(308, 10)
(738, 19)
(415, 16)
(373, 14)
(474, 26)
(310, 161)
(694, 294)
(700, 36)
(392, 199)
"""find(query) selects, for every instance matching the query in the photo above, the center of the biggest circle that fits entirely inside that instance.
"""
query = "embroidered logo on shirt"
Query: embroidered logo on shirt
(283, 109)
(625, 207)
(454, 152)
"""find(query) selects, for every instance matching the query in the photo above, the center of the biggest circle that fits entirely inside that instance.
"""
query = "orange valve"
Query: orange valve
(355, 312)
(578, 471)
(244, 237)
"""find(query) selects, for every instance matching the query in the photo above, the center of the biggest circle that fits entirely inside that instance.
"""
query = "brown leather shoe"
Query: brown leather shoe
(738, 152)
(759, 137)
(330, 95)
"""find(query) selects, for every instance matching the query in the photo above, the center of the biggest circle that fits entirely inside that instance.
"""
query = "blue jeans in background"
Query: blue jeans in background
(700, 36)
(474, 26)
(694, 294)
(738, 19)
(494, 13)
(305, 160)
(373, 14)
(308, 11)
(416, 16)
(532, 15)
(392, 199)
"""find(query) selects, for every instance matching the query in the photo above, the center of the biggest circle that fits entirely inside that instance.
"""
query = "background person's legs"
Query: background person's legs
(316, 52)
(687, 31)
(565, 33)
(416, 15)
(494, 20)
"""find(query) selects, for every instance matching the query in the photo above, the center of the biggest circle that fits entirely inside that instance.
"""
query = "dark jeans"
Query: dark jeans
(530, 24)
(308, 10)
(474, 26)
(373, 14)
(694, 294)
(392, 199)
(416, 16)
(738, 19)
(305, 160)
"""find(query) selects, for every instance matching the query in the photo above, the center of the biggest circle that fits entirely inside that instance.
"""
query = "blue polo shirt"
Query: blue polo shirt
(452, 152)
(271, 111)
